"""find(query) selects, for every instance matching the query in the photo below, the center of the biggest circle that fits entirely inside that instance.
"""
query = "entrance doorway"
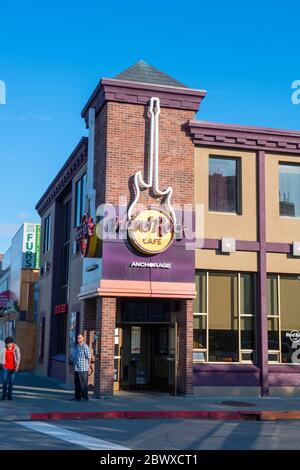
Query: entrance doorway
(145, 350)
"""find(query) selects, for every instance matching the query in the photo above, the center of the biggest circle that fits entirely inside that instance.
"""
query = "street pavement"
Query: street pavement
(34, 394)
(152, 435)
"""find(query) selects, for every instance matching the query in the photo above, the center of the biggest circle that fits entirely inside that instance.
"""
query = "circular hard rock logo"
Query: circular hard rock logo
(294, 336)
(151, 231)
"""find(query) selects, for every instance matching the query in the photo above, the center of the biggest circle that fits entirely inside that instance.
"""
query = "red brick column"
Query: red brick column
(104, 362)
(185, 348)
(89, 328)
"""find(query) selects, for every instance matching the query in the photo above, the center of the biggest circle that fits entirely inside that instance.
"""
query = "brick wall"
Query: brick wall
(128, 145)
(104, 362)
(100, 155)
(89, 329)
(185, 348)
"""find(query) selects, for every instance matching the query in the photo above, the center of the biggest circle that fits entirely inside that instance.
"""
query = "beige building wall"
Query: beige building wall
(217, 224)
(244, 226)
(282, 263)
(238, 261)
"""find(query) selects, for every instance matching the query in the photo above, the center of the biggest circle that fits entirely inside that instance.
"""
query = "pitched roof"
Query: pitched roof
(145, 73)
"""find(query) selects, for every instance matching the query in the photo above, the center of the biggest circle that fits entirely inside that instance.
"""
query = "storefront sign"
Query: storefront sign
(123, 261)
(85, 236)
(62, 308)
(37, 247)
(31, 246)
(151, 231)
(141, 264)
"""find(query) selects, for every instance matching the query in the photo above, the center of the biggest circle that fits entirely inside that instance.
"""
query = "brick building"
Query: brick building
(201, 306)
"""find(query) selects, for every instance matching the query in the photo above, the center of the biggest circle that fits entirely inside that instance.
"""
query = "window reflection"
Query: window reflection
(283, 316)
(223, 184)
(224, 318)
(289, 190)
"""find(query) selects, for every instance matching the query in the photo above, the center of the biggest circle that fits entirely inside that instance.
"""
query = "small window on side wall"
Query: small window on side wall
(47, 234)
(224, 185)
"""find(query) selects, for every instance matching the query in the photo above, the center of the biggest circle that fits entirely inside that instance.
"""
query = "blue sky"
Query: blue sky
(52, 55)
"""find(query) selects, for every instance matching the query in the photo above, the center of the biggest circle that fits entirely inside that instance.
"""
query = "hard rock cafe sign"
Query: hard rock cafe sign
(151, 231)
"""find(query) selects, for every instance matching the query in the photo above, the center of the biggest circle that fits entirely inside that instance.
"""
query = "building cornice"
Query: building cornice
(111, 89)
(77, 158)
(213, 134)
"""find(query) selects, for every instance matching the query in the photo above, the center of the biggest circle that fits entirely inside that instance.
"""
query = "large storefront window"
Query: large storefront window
(289, 190)
(283, 316)
(224, 175)
(224, 317)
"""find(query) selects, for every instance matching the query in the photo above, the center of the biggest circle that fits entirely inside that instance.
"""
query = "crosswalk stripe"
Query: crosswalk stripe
(76, 438)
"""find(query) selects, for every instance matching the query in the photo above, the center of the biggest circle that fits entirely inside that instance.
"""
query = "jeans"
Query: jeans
(8, 382)
(81, 385)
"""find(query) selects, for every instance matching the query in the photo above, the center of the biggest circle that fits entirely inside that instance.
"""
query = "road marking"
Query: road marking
(76, 438)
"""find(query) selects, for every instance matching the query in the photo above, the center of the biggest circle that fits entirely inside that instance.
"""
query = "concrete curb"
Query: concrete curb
(234, 415)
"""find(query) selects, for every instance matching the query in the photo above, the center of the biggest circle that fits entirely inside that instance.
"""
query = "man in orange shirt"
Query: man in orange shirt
(10, 357)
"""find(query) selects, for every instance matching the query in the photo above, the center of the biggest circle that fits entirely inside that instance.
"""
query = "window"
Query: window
(224, 317)
(47, 234)
(283, 316)
(289, 190)
(80, 193)
(224, 184)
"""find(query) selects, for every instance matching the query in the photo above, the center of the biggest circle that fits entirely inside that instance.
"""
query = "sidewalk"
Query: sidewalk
(41, 398)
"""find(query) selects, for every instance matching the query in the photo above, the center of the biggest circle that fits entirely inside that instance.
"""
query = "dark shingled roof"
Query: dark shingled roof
(145, 73)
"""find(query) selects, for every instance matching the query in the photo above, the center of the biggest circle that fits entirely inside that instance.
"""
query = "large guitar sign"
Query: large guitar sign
(152, 230)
